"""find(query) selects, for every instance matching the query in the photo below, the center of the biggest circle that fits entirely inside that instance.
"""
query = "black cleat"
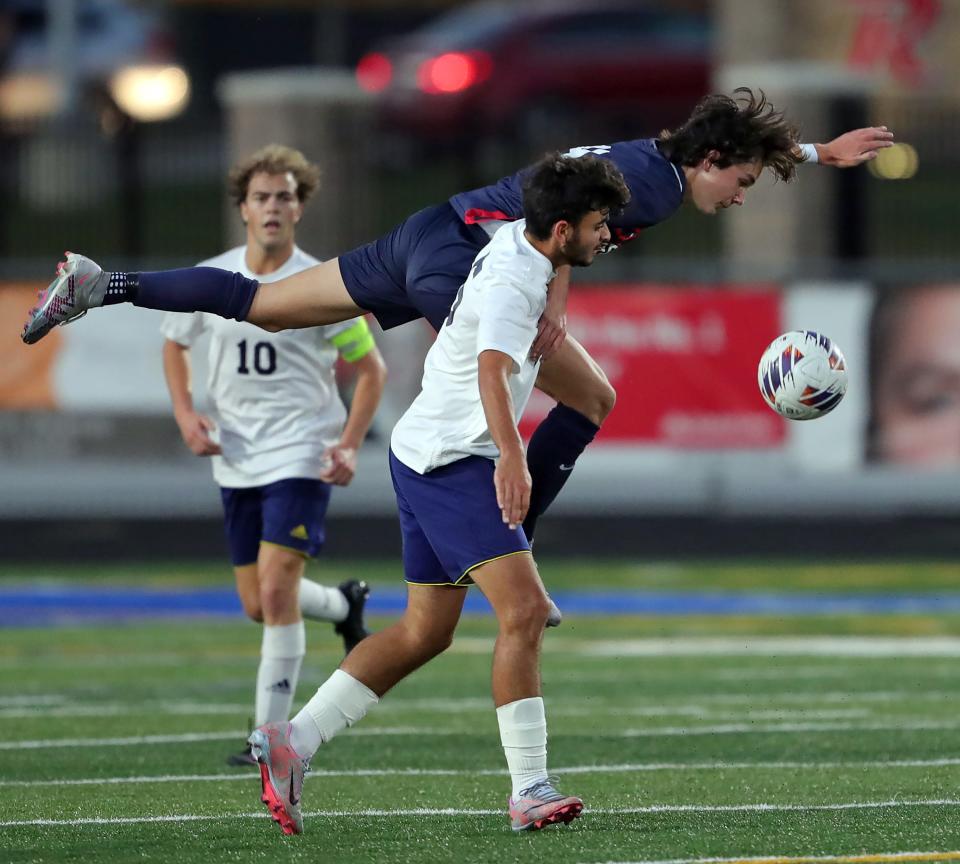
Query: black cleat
(352, 628)
(244, 758)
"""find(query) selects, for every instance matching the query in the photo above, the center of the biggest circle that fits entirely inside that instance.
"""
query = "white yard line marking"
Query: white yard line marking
(777, 646)
(122, 710)
(869, 858)
(773, 728)
(450, 811)
(37, 699)
(731, 647)
(558, 708)
(627, 768)
(649, 732)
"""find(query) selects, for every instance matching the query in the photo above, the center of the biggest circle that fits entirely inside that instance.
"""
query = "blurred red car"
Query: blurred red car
(495, 66)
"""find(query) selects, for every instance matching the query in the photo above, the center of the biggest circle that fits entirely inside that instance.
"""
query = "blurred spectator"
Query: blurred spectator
(915, 387)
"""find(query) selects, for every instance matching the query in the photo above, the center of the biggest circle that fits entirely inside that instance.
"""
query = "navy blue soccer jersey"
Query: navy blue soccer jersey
(656, 190)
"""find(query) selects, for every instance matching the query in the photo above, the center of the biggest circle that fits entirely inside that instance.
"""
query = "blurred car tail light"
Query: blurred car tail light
(453, 71)
(374, 72)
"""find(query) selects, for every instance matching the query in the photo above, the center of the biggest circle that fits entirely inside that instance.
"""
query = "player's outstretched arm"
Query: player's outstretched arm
(855, 147)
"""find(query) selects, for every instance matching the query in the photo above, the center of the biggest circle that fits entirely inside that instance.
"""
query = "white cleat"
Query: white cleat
(80, 285)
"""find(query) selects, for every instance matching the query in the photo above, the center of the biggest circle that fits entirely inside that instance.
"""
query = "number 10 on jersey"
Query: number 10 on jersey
(264, 357)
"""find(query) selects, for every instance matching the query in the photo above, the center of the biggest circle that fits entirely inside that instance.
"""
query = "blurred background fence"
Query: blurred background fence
(405, 104)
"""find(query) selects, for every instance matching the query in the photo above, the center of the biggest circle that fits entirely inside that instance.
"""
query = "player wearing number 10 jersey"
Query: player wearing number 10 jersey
(280, 436)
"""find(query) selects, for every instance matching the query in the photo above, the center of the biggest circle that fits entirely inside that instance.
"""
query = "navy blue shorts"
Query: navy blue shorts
(288, 513)
(416, 270)
(450, 521)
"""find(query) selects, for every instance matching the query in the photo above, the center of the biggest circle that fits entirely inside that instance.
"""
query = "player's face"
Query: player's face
(918, 392)
(271, 210)
(584, 240)
(712, 188)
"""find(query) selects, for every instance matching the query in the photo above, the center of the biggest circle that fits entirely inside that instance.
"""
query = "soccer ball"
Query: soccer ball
(802, 375)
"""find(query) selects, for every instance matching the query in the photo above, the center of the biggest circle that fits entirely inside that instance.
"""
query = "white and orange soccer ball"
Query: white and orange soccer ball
(802, 375)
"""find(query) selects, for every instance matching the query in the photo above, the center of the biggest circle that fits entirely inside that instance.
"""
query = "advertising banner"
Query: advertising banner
(683, 360)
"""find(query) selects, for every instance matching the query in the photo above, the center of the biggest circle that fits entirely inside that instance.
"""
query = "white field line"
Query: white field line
(861, 647)
(754, 728)
(30, 705)
(36, 699)
(123, 709)
(776, 646)
(626, 768)
(649, 732)
(867, 858)
(451, 811)
(558, 708)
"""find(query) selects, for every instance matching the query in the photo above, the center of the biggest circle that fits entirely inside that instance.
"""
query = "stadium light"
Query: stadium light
(374, 72)
(151, 93)
(454, 71)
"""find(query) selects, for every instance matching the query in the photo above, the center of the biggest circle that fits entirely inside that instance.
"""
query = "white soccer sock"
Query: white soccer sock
(281, 655)
(319, 603)
(523, 733)
(341, 701)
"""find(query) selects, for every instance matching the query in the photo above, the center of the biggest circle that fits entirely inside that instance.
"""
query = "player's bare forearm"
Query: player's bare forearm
(855, 147)
(552, 327)
(194, 427)
(176, 371)
(342, 458)
(371, 378)
(511, 478)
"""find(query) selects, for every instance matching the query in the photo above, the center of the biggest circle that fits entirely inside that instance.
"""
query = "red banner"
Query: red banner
(683, 361)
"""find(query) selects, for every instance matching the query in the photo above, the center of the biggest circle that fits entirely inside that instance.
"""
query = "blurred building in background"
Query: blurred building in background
(118, 121)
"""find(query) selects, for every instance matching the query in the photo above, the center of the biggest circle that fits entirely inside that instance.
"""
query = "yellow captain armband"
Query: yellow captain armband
(355, 342)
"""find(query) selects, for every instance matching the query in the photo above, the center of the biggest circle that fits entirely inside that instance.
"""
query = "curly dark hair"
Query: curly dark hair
(742, 128)
(567, 188)
(274, 159)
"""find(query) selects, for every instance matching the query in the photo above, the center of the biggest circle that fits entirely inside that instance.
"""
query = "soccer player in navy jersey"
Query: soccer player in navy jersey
(460, 476)
(416, 270)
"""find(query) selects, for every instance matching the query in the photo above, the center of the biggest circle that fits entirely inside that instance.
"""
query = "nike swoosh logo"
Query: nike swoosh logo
(293, 798)
(566, 467)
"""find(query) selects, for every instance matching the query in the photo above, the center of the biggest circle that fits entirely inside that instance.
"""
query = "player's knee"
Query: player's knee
(275, 597)
(427, 641)
(526, 617)
(600, 401)
(594, 401)
(606, 399)
(252, 608)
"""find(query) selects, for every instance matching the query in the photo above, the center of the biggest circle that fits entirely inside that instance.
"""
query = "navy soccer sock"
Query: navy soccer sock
(193, 289)
(553, 449)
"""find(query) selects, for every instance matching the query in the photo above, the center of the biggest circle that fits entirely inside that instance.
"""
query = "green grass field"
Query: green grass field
(687, 737)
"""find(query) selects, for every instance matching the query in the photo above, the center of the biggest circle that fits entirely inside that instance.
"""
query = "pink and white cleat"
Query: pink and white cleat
(541, 805)
(281, 774)
(80, 285)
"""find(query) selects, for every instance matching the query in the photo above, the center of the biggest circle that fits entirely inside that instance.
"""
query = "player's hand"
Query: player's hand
(512, 482)
(195, 430)
(342, 465)
(552, 326)
(551, 331)
(856, 147)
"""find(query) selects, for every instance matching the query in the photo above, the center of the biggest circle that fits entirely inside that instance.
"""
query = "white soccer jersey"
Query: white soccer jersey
(275, 398)
(497, 308)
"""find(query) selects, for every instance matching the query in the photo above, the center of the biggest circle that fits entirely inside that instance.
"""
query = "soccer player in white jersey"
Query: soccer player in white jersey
(462, 485)
(281, 437)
